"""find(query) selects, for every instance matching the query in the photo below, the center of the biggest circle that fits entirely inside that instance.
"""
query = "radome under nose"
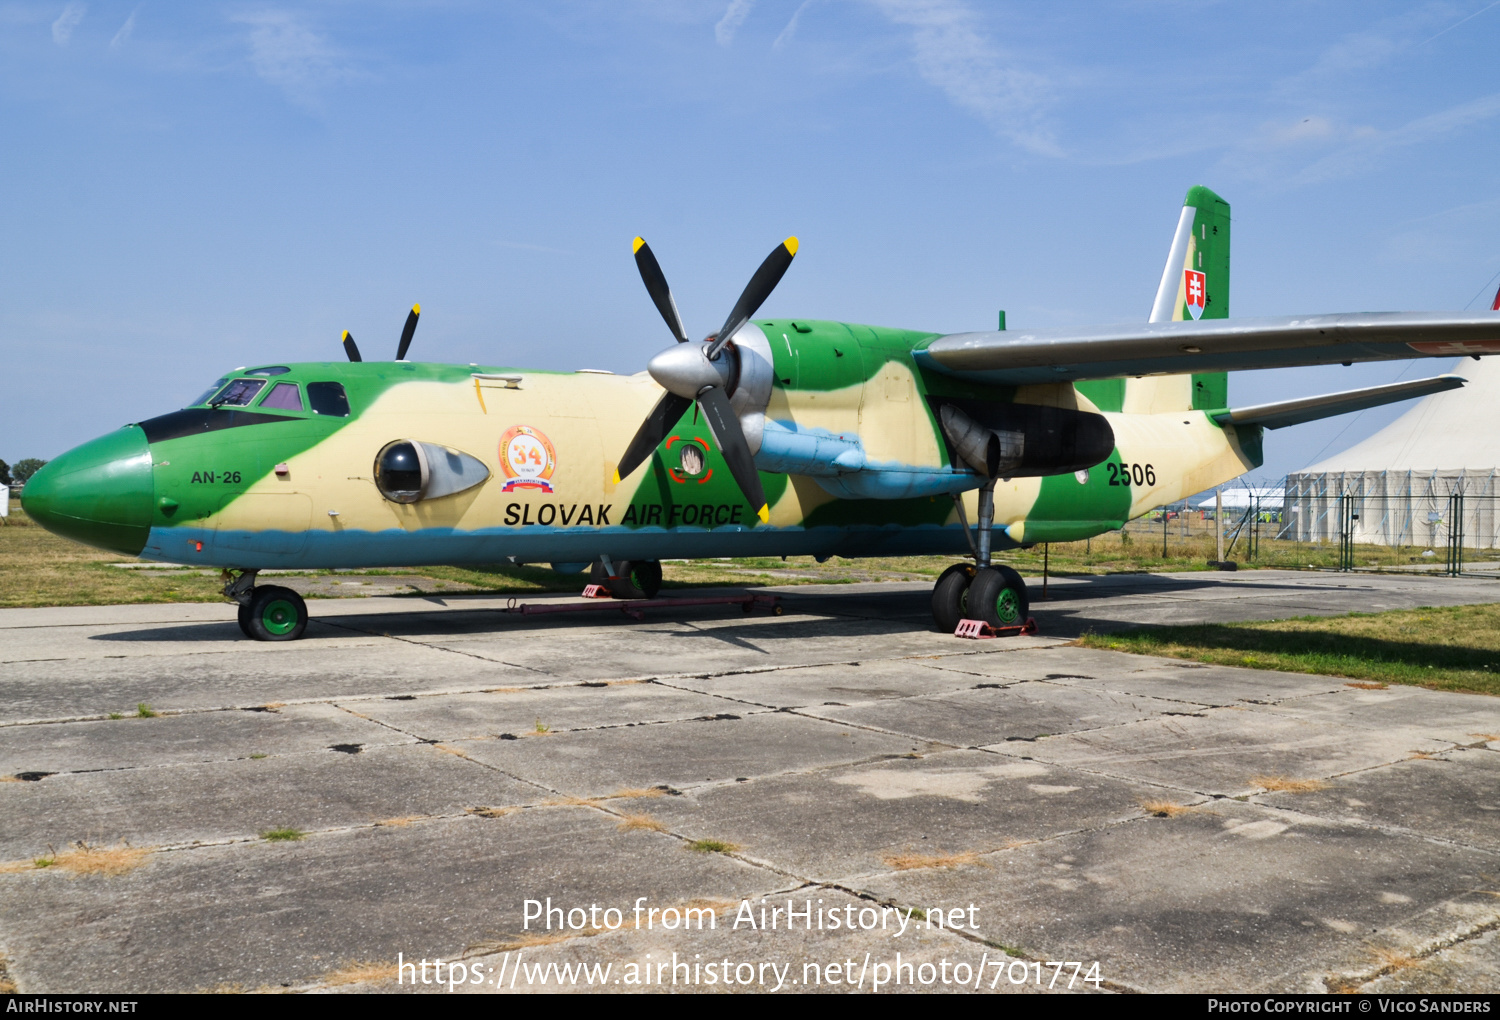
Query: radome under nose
(98, 493)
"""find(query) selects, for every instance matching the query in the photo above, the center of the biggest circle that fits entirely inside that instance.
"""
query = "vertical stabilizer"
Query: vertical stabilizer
(1194, 285)
(1195, 282)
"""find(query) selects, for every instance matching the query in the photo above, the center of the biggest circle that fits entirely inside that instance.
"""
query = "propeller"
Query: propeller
(700, 373)
(352, 349)
(407, 331)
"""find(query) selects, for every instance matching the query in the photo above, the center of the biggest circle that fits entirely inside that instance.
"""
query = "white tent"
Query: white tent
(1401, 478)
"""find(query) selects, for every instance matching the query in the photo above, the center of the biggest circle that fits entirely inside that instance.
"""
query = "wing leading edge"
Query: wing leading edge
(1030, 357)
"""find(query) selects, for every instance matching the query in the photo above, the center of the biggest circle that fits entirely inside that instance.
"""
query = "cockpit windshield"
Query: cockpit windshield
(238, 393)
(209, 392)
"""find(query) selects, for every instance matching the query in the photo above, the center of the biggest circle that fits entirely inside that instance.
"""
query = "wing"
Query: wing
(1295, 412)
(1029, 357)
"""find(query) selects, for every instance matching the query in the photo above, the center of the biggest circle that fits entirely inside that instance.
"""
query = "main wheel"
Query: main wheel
(950, 596)
(638, 579)
(244, 609)
(997, 597)
(276, 614)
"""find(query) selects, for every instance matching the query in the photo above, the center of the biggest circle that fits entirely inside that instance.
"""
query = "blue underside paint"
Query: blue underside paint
(837, 462)
(266, 550)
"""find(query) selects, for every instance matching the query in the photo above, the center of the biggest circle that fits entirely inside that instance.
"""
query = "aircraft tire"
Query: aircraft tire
(244, 615)
(638, 579)
(950, 596)
(276, 614)
(998, 597)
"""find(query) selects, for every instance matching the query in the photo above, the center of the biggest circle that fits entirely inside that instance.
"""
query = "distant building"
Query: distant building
(1401, 478)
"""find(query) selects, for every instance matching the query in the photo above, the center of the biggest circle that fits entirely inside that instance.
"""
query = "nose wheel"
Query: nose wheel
(267, 612)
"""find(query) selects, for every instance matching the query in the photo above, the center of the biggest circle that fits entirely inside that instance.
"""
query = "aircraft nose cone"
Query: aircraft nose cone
(98, 493)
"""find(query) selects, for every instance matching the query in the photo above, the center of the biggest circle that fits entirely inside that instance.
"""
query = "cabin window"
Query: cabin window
(284, 396)
(328, 398)
(238, 393)
(268, 370)
(209, 392)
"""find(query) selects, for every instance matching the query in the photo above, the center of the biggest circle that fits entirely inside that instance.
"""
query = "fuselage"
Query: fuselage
(518, 465)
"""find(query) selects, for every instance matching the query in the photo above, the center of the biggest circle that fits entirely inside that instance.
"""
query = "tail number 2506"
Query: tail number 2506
(1126, 474)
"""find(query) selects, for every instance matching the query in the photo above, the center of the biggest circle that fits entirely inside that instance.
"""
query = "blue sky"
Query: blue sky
(189, 187)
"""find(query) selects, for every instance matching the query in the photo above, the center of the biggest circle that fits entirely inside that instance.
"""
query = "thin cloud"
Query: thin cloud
(1355, 158)
(791, 26)
(123, 35)
(733, 18)
(62, 28)
(953, 54)
(286, 52)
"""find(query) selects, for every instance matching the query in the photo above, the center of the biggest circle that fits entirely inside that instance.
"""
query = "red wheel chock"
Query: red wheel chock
(978, 630)
(596, 591)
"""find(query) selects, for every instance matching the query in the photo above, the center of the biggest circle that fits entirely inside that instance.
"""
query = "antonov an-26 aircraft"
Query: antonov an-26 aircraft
(770, 437)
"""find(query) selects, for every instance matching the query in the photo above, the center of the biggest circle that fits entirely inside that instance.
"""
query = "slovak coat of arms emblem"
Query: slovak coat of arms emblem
(1195, 286)
(527, 458)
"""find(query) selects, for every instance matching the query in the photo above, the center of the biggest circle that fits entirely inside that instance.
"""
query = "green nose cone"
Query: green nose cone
(98, 493)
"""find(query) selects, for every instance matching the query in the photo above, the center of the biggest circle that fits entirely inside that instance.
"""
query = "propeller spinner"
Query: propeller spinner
(699, 372)
(407, 331)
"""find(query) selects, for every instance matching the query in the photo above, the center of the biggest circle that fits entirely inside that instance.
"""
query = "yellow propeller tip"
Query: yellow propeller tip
(617, 476)
(417, 309)
(635, 245)
(345, 336)
(764, 513)
(791, 245)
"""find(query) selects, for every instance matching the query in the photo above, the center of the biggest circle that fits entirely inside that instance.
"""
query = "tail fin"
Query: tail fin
(1195, 282)
(1194, 285)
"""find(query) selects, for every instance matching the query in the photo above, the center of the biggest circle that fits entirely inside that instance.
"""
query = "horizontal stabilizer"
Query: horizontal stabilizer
(1028, 357)
(1295, 412)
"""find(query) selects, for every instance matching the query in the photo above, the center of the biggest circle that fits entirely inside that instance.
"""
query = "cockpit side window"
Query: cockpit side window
(209, 392)
(238, 393)
(328, 398)
(284, 396)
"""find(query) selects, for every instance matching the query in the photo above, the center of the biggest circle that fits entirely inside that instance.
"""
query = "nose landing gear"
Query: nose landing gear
(994, 595)
(267, 612)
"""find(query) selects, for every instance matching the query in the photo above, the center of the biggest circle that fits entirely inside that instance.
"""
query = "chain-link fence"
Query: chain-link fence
(1438, 521)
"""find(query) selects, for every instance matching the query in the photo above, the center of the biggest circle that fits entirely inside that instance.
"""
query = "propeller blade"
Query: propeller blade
(656, 286)
(407, 331)
(350, 348)
(725, 426)
(756, 291)
(652, 431)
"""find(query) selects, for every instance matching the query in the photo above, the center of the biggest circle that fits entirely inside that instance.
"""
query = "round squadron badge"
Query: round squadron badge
(527, 458)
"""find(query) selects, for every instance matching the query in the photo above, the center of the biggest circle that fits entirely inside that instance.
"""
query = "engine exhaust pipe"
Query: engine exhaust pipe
(990, 452)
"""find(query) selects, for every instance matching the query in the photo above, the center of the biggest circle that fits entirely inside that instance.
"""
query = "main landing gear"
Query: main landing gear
(993, 595)
(627, 579)
(267, 612)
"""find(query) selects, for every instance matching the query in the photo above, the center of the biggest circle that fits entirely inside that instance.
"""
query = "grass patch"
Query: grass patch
(635, 793)
(914, 861)
(257, 756)
(542, 727)
(489, 812)
(1165, 808)
(358, 974)
(712, 846)
(640, 823)
(145, 711)
(82, 859)
(282, 835)
(1456, 648)
(38, 568)
(1283, 784)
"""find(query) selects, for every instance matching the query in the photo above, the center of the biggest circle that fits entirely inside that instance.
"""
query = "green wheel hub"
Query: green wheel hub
(1008, 606)
(278, 616)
